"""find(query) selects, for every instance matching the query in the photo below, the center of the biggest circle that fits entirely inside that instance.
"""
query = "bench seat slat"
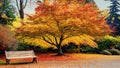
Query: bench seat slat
(21, 57)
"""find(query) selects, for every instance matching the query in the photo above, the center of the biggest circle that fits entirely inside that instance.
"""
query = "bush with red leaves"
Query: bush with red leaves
(7, 38)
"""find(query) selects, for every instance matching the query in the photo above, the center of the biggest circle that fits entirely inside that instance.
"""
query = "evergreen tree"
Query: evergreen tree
(113, 18)
(6, 12)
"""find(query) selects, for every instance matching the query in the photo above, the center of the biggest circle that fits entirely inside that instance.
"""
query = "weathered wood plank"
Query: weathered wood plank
(19, 54)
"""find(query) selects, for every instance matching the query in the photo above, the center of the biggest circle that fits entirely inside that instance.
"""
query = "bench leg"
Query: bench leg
(34, 60)
(7, 61)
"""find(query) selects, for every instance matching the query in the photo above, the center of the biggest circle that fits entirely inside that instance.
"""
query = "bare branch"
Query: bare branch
(17, 5)
(56, 40)
(66, 37)
(25, 3)
(48, 38)
(61, 39)
(47, 41)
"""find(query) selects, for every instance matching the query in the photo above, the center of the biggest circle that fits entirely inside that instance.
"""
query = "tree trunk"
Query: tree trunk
(21, 11)
(60, 53)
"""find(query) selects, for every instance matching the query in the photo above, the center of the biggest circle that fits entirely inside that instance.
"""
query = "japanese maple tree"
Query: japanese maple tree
(59, 21)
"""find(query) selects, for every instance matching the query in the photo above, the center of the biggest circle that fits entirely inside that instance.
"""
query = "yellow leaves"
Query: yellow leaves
(119, 17)
(113, 18)
(47, 2)
(35, 28)
(89, 5)
(18, 23)
(0, 4)
(71, 22)
(78, 40)
(35, 41)
(83, 39)
(105, 13)
(4, 15)
(67, 19)
(72, 6)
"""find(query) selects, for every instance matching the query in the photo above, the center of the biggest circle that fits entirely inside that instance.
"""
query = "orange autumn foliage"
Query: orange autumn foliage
(63, 1)
(7, 38)
(68, 18)
(64, 20)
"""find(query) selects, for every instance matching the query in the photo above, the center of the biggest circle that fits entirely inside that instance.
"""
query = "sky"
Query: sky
(102, 4)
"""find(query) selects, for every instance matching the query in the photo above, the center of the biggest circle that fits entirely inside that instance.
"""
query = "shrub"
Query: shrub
(74, 50)
(88, 49)
(52, 49)
(71, 48)
(2, 62)
(118, 47)
(23, 46)
(40, 49)
(2, 48)
(114, 51)
(108, 42)
(7, 39)
(106, 52)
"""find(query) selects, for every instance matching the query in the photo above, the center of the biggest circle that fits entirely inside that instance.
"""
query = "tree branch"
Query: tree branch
(47, 41)
(56, 40)
(48, 38)
(17, 5)
(61, 39)
(25, 3)
(57, 22)
(66, 37)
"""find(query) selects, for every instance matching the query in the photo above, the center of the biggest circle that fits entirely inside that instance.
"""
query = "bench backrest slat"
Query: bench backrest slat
(19, 53)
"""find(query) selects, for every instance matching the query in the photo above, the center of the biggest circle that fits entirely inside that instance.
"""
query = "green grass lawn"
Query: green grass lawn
(13, 63)
(2, 62)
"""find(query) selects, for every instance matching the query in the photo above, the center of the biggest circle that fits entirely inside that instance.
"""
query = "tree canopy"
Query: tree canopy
(62, 21)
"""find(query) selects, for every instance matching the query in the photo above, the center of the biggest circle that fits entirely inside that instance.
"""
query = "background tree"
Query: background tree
(89, 1)
(7, 12)
(21, 4)
(58, 22)
(113, 17)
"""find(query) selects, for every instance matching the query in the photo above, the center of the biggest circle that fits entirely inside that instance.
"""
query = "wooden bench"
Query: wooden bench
(20, 54)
